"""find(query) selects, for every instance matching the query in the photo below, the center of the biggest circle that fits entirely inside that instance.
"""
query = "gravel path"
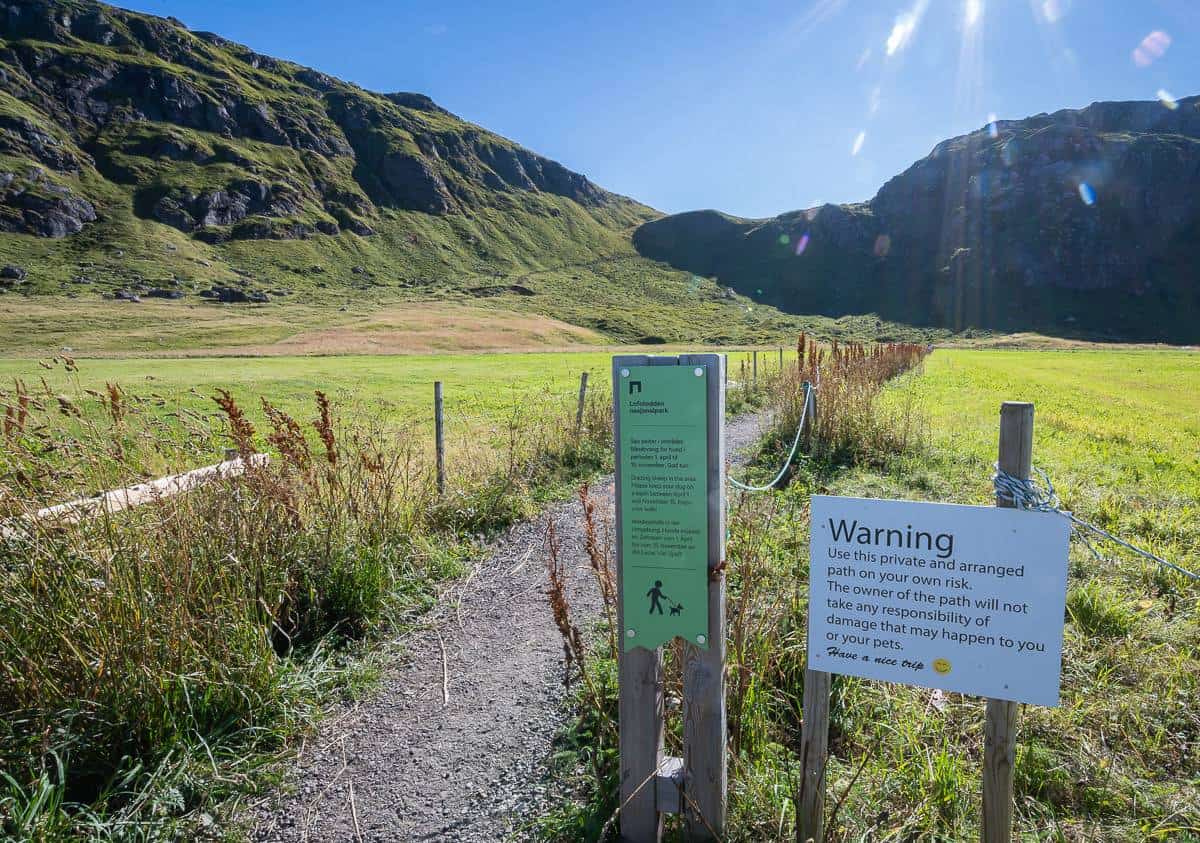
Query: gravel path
(454, 745)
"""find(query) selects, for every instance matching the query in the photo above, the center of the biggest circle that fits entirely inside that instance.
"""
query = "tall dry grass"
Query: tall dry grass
(149, 657)
(848, 424)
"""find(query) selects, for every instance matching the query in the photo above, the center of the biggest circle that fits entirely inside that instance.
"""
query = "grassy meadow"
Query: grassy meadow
(1118, 760)
(481, 391)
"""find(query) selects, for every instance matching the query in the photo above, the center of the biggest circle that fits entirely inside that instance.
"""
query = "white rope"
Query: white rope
(808, 397)
(1025, 494)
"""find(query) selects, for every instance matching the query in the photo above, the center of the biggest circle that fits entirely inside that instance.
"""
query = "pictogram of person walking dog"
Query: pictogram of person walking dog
(657, 597)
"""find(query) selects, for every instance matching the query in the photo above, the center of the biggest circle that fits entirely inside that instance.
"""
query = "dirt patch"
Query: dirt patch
(455, 744)
(431, 327)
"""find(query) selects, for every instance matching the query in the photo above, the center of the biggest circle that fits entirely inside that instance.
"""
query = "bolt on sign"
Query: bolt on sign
(662, 466)
(962, 598)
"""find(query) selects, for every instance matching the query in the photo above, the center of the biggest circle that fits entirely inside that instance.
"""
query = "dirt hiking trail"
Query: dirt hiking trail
(455, 743)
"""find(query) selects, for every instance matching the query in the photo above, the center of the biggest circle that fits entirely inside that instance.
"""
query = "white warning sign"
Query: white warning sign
(963, 598)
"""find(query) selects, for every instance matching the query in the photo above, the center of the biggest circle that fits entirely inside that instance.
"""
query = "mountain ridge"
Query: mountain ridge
(1077, 223)
(125, 85)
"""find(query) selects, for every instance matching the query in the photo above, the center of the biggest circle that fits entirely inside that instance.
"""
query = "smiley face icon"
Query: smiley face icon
(942, 666)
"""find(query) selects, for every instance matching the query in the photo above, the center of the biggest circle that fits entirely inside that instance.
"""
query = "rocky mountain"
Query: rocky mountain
(218, 141)
(138, 158)
(1079, 223)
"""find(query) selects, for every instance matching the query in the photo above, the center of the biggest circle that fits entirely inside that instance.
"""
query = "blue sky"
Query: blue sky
(750, 106)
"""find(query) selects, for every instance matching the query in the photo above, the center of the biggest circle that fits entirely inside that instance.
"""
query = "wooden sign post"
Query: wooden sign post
(669, 425)
(814, 728)
(961, 598)
(1000, 728)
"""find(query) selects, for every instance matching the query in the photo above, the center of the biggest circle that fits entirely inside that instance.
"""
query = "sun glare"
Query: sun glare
(972, 11)
(1053, 10)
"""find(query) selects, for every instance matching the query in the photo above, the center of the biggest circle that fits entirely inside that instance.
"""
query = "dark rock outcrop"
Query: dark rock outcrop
(189, 211)
(33, 203)
(236, 295)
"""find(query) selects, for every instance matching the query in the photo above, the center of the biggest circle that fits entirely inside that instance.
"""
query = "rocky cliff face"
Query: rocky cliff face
(218, 141)
(1082, 222)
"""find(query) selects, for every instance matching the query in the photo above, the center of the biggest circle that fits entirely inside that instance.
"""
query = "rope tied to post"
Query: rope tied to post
(1028, 495)
(808, 399)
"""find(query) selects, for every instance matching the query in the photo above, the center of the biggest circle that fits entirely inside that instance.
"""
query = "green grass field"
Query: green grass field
(486, 397)
(484, 387)
(1107, 422)
(398, 387)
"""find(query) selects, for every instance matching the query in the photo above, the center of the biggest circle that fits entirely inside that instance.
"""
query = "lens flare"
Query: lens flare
(1153, 47)
(858, 143)
(1167, 100)
(802, 244)
(873, 102)
(784, 239)
(1087, 194)
(993, 129)
(905, 27)
(883, 245)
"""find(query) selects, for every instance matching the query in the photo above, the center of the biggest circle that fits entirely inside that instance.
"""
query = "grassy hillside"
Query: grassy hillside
(159, 177)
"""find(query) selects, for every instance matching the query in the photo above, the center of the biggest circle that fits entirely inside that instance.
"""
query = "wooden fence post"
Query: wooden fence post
(814, 731)
(814, 757)
(781, 358)
(640, 701)
(705, 743)
(583, 379)
(755, 358)
(439, 430)
(1000, 730)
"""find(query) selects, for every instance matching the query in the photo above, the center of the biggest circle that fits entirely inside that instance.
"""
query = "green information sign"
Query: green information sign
(663, 470)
